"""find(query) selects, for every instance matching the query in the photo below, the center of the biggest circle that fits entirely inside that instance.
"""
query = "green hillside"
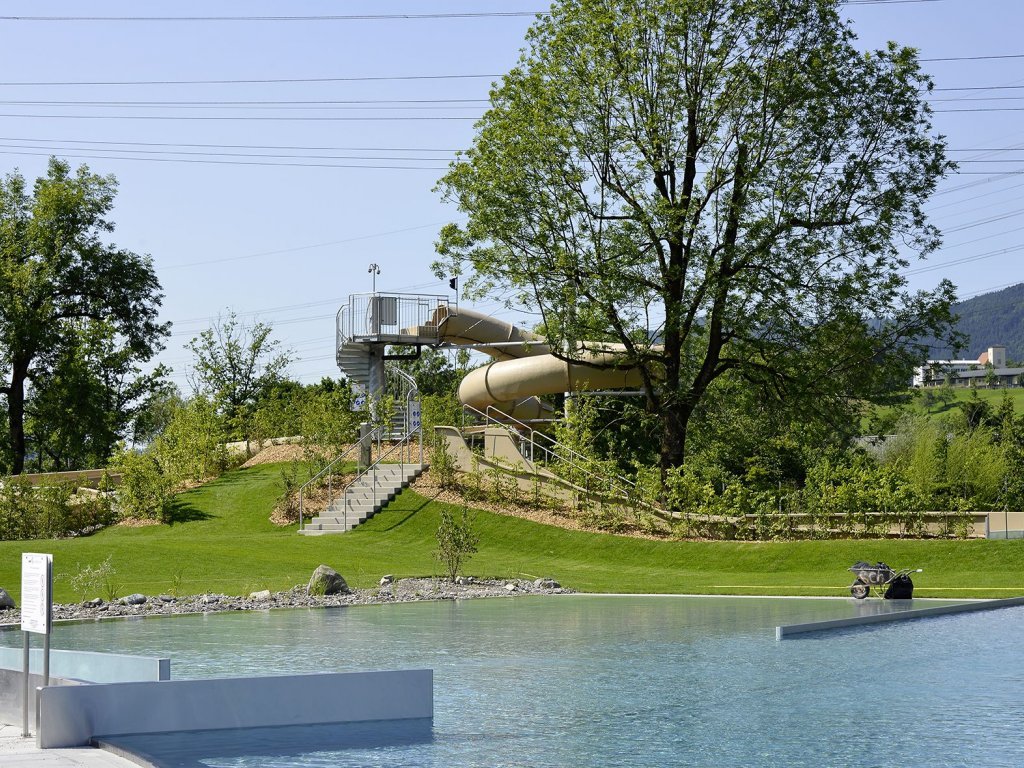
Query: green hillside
(992, 318)
(222, 541)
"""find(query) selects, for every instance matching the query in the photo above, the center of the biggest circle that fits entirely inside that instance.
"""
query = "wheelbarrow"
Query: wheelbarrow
(888, 583)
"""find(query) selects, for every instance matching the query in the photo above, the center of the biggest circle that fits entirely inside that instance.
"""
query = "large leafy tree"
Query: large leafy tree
(236, 365)
(72, 309)
(728, 187)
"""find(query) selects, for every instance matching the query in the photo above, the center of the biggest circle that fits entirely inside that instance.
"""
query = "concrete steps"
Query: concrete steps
(364, 498)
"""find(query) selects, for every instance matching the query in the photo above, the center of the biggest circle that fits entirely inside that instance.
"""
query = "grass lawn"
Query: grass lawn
(222, 541)
(994, 397)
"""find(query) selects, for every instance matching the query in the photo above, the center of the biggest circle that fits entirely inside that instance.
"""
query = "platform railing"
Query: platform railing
(373, 316)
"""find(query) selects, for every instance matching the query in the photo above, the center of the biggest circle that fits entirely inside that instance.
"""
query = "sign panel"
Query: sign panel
(415, 415)
(36, 592)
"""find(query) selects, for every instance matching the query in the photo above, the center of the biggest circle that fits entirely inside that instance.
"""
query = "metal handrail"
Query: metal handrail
(330, 474)
(373, 468)
(627, 487)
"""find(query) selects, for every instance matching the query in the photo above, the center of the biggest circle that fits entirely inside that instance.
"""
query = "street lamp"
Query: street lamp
(374, 270)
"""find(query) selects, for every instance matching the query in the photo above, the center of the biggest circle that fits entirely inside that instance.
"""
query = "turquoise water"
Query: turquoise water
(613, 681)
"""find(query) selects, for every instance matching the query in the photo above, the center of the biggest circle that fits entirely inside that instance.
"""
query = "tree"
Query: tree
(724, 185)
(62, 286)
(236, 365)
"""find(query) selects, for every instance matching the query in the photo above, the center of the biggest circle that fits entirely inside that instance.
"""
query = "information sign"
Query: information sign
(36, 592)
(415, 415)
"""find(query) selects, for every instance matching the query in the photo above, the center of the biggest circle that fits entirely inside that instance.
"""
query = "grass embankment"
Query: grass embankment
(222, 541)
(936, 410)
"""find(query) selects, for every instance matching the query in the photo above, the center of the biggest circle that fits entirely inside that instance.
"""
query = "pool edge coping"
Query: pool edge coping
(782, 632)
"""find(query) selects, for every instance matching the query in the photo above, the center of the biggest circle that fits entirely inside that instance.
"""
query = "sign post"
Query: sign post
(36, 614)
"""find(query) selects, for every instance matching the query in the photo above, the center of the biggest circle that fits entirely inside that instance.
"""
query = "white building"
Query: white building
(961, 373)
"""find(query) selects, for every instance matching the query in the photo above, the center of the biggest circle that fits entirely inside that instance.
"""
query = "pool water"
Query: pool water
(612, 681)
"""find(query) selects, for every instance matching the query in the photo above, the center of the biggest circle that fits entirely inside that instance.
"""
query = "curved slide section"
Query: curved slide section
(524, 368)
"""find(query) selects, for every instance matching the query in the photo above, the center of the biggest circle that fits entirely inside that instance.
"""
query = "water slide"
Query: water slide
(523, 367)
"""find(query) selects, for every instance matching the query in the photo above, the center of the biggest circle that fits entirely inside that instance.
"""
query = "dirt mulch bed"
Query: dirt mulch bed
(426, 486)
(276, 453)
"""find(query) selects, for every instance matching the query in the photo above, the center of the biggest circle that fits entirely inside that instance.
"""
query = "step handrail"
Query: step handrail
(372, 468)
(627, 488)
(327, 470)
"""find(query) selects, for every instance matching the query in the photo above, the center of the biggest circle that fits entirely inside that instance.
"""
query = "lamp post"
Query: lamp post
(374, 270)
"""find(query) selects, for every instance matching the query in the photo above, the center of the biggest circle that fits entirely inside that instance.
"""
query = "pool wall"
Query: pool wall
(68, 668)
(897, 615)
(73, 716)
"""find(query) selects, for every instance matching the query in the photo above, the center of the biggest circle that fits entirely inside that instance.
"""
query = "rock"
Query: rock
(386, 580)
(133, 599)
(209, 599)
(166, 599)
(96, 602)
(263, 594)
(510, 587)
(547, 584)
(326, 581)
(6, 601)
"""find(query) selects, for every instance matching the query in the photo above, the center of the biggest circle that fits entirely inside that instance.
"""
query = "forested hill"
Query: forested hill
(992, 318)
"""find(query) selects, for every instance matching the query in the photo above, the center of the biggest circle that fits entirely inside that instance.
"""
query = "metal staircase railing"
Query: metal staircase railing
(372, 470)
(329, 472)
(555, 454)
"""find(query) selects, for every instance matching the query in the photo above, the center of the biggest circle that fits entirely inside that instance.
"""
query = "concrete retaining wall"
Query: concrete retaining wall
(68, 668)
(914, 613)
(73, 716)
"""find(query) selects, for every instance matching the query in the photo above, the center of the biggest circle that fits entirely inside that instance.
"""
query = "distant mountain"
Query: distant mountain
(992, 318)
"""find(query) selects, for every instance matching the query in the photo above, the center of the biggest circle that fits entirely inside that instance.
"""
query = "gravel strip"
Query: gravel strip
(398, 591)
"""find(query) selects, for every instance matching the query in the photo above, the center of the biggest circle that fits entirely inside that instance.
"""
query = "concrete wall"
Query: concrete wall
(72, 716)
(68, 668)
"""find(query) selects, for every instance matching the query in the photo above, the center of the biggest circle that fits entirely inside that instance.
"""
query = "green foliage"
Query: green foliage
(719, 187)
(456, 540)
(328, 424)
(77, 317)
(50, 511)
(442, 464)
(191, 446)
(146, 490)
(88, 580)
(235, 366)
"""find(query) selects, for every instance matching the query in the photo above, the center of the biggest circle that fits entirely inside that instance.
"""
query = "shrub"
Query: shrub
(456, 540)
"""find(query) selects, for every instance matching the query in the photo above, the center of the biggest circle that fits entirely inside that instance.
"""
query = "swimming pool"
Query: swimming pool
(612, 681)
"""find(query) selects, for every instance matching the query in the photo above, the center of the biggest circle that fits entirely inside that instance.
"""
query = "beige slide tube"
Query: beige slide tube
(525, 369)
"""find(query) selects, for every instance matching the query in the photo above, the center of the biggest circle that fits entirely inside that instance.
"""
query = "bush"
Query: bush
(146, 490)
(456, 540)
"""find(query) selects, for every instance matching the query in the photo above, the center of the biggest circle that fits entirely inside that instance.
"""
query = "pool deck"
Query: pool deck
(18, 752)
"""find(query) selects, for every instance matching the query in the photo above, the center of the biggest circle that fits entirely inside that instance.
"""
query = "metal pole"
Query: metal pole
(25, 668)
(46, 659)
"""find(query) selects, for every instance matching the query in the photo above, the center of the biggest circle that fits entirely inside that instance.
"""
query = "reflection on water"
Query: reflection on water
(285, 746)
(630, 681)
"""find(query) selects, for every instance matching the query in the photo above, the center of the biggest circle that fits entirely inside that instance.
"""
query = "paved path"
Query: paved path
(16, 752)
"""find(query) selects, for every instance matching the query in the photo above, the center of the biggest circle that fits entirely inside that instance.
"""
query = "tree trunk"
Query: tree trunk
(16, 416)
(675, 420)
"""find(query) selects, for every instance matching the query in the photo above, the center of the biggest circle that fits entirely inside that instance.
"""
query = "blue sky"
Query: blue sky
(278, 218)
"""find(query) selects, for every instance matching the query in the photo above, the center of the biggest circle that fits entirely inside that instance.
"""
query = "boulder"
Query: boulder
(6, 601)
(510, 587)
(326, 581)
(263, 594)
(133, 599)
(547, 584)
(96, 602)
(386, 580)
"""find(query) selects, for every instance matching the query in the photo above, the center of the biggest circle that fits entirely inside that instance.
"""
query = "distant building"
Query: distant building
(989, 369)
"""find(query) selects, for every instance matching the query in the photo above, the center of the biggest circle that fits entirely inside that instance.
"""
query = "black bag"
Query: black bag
(900, 588)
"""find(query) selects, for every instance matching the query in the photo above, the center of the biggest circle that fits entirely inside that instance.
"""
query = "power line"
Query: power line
(264, 81)
(245, 117)
(337, 17)
(81, 156)
(241, 146)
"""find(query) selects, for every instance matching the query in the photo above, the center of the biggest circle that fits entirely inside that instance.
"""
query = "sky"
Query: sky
(268, 152)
